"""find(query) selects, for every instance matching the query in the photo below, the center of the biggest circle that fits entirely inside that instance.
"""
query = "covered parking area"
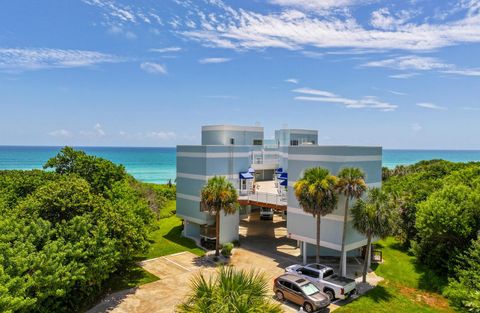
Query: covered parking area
(268, 236)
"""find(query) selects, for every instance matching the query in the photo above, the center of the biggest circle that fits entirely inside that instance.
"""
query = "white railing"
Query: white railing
(261, 157)
(263, 197)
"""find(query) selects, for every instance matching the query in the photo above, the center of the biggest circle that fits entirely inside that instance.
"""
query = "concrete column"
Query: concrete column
(184, 231)
(304, 252)
(344, 264)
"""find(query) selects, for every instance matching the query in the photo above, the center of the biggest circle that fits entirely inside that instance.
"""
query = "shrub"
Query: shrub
(227, 249)
(464, 291)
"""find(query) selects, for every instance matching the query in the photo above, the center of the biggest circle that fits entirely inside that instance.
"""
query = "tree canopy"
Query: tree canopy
(64, 232)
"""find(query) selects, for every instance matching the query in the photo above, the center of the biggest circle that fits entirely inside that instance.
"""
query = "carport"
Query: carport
(267, 236)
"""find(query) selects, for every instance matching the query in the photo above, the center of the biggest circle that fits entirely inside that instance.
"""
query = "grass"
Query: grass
(169, 209)
(167, 239)
(132, 276)
(408, 286)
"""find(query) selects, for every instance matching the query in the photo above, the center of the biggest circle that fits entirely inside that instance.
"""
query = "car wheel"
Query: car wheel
(308, 307)
(280, 296)
(330, 294)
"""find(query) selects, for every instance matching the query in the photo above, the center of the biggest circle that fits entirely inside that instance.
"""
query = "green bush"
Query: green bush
(64, 233)
(227, 249)
(464, 291)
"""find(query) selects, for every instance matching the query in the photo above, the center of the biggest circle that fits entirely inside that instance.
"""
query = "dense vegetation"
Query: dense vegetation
(66, 230)
(438, 206)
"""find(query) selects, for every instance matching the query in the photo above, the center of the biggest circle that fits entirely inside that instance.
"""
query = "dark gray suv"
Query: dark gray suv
(300, 291)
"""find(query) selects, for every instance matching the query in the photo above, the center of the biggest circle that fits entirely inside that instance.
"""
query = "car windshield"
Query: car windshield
(309, 289)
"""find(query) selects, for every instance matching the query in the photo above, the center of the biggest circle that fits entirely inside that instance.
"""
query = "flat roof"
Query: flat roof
(299, 130)
(232, 128)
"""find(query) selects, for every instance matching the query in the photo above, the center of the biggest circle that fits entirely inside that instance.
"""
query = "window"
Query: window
(286, 284)
(310, 289)
(232, 141)
(294, 142)
(327, 273)
(257, 142)
(296, 288)
(309, 273)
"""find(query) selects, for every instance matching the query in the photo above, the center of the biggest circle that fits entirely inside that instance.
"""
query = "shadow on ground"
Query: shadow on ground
(112, 301)
(175, 235)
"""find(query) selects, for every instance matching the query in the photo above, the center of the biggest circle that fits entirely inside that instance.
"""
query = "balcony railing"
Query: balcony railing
(261, 157)
(263, 197)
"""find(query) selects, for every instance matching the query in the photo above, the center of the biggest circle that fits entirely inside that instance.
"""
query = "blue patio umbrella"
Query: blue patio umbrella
(284, 183)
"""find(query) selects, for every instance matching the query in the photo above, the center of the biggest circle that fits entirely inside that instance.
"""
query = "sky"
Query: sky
(400, 74)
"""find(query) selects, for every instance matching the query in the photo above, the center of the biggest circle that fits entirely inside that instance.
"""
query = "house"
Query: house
(264, 172)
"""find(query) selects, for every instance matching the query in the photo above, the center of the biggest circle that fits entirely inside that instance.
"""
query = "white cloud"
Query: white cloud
(317, 5)
(149, 135)
(410, 62)
(167, 49)
(431, 106)
(213, 60)
(242, 29)
(130, 35)
(314, 92)
(398, 93)
(368, 102)
(96, 132)
(404, 76)
(419, 63)
(471, 108)
(161, 135)
(292, 80)
(16, 59)
(464, 72)
(416, 127)
(154, 68)
(99, 130)
(61, 133)
(383, 19)
(303, 24)
(313, 54)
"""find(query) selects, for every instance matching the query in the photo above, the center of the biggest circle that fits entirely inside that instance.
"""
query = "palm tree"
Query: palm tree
(229, 291)
(217, 195)
(371, 217)
(351, 183)
(315, 192)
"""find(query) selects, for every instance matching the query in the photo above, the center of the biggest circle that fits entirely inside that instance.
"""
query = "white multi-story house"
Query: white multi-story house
(243, 155)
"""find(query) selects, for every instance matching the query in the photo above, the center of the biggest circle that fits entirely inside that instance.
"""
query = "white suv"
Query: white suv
(266, 214)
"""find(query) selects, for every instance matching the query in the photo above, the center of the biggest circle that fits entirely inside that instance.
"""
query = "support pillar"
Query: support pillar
(344, 264)
(304, 252)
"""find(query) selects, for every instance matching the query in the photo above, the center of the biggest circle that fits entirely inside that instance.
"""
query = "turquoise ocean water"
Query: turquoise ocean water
(157, 165)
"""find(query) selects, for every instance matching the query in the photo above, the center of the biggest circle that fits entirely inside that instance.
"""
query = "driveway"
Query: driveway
(174, 271)
(264, 247)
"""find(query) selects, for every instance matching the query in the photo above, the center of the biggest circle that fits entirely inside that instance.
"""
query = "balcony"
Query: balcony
(267, 195)
(262, 157)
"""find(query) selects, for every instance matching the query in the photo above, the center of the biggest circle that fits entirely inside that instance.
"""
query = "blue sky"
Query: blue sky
(401, 74)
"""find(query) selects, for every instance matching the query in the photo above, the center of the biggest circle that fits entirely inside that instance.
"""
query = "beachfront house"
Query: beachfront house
(264, 171)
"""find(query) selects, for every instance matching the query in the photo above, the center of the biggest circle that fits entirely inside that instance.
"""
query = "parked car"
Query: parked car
(300, 291)
(336, 287)
(266, 214)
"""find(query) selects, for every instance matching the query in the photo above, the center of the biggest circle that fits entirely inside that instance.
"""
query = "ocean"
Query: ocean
(158, 165)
